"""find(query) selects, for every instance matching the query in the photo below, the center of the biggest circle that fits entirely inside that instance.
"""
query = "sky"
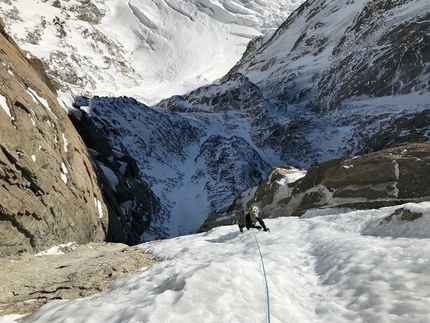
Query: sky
(331, 265)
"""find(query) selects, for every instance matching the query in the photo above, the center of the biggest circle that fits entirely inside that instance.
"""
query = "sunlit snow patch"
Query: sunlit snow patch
(64, 171)
(57, 250)
(5, 106)
(98, 204)
(37, 98)
(65, 143)
(66, 101)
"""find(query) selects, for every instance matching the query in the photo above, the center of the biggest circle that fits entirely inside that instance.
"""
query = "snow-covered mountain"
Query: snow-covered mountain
(302, 95)
(196, 162)
(329, 53)
(355, 72)
(338, 78)
(145, 49)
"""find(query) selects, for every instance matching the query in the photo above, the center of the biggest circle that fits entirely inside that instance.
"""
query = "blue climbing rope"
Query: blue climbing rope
(265, 279)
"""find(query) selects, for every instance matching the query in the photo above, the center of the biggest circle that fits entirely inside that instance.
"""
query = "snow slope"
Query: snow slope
(333, 265)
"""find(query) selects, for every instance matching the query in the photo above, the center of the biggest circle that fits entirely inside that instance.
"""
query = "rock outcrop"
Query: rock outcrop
(391, 176)
(49, 190)
(388, 177)
(404, 215)
(27, 282)
(274, 191)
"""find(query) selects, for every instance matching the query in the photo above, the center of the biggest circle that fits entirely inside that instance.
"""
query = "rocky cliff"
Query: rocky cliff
(388, 177)
(27, 282)
(49, 190)
(134, 207)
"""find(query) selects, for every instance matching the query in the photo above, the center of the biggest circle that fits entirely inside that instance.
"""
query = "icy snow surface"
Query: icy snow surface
(328, 266)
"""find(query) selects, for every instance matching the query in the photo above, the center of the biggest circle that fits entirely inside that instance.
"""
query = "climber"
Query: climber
(248, 220)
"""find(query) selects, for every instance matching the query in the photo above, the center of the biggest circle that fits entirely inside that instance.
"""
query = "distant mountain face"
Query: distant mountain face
(148, 49)
(277, 106)
(351, 70)
(195, 157)
(328, 53)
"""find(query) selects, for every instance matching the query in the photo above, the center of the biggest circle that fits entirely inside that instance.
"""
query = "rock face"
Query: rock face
(49, 191)
(392, 176)
(387, 177)
(226, 170)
